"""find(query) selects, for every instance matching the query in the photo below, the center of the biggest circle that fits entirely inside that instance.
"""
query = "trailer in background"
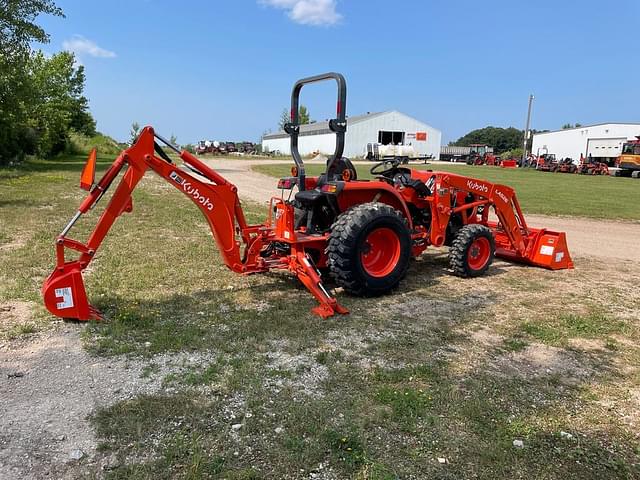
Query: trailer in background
(464, 154)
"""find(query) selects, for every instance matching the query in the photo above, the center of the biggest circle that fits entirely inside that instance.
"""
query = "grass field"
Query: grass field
(434, 381)
(539, 192)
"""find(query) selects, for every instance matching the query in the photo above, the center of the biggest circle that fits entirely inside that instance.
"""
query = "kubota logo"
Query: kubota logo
(480, 187)
(201, 199)
(193, 191)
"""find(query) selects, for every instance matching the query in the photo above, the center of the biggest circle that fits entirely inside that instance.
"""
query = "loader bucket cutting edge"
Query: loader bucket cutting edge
(64, 294)
(545, 248)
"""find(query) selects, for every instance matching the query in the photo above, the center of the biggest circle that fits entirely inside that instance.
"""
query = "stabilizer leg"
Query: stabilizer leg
(310, 277)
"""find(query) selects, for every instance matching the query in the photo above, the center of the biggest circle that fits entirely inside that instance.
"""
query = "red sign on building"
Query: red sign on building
(421, 136)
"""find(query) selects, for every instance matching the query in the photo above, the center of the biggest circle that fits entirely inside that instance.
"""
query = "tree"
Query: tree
(17, 31)
(303, 117)
(284, 119)
(135, 131)
(173, 140)
(17, 27)
(567, 126)
(57, 105)
(501, 139)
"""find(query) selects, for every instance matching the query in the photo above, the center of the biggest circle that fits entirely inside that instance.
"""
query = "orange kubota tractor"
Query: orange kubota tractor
(364, 232)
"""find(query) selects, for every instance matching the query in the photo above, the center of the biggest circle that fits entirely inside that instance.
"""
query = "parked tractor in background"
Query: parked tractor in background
(589, 166)
(247, 148)
(487, 158)
(364, 232)
(628, 162)
(208, 147)
(547, 162)
(566, 165)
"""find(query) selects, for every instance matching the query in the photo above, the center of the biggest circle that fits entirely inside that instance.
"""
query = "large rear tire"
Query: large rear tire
(369, 249)
(472, 251)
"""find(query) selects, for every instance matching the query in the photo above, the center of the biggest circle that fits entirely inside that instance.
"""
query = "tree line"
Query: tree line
(41, 97)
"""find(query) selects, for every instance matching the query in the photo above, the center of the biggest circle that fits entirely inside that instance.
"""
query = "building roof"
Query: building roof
(587, 126)
(319, 128)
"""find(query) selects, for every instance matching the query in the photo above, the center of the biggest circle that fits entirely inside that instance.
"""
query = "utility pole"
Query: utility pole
(526, 130)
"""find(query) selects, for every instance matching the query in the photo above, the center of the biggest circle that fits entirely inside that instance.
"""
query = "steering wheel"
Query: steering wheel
(381, 169)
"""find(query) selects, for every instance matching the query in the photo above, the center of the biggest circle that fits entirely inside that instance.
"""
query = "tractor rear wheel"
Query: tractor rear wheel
(369, 249)
(472, 251)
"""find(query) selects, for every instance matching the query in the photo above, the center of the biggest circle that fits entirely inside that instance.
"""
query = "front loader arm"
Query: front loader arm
(64, 291)
(515, 240)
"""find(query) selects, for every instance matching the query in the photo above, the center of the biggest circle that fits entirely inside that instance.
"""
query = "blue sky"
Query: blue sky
(223, 70)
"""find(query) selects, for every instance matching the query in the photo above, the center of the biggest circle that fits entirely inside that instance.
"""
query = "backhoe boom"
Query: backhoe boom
(217, 199)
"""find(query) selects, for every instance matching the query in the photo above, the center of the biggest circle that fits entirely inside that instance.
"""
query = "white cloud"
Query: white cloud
(83, 47)
(308, 12)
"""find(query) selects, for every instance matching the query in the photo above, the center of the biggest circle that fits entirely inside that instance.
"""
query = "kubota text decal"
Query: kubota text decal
(191, 190)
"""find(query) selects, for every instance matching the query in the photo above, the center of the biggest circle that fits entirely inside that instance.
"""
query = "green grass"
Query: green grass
(557, 330)
(538, 192)
(379, 394)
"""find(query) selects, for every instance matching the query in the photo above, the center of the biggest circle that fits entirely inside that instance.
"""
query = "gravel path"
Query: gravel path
(50, 385)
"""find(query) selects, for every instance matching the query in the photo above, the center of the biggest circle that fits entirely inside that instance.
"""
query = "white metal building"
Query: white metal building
(383, 127)
(602, 141)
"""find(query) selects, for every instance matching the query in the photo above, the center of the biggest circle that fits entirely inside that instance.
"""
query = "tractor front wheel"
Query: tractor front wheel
(369, 249)
(472, 251)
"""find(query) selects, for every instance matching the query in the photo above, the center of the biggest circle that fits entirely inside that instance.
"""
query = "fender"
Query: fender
(357, 192)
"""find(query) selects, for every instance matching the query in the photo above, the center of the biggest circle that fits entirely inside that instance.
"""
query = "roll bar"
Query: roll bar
(337, 125)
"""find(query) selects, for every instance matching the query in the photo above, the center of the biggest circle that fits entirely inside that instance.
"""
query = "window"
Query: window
(631, 149)
(387, 137)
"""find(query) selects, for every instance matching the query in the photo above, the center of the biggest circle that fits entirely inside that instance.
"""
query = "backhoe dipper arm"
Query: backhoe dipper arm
(64, 291)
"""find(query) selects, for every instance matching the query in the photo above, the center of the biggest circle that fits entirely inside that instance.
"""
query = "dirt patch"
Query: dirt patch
(15, 313)
(51, 385)
(300, 372)
(437, 309)
(538, 360)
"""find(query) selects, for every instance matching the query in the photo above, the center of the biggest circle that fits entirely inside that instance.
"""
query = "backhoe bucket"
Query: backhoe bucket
(64, 294)
(544, 248)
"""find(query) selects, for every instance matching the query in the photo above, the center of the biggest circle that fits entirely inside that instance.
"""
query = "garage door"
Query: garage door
(604, 147)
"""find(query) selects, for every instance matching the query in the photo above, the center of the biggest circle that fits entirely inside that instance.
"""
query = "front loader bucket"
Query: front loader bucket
(544, 248)
(64, 294)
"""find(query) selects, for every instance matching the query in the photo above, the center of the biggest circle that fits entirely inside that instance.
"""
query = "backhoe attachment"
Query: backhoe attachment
(64, 291)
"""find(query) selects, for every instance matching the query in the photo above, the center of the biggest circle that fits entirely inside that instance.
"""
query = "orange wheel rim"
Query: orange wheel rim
(381, 252)
(479, 253)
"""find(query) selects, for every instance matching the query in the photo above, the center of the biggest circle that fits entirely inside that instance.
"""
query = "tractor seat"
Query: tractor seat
(309, 198)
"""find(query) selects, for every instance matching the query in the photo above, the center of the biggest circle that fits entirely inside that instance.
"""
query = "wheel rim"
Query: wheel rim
(381, 252)
(479, 253)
